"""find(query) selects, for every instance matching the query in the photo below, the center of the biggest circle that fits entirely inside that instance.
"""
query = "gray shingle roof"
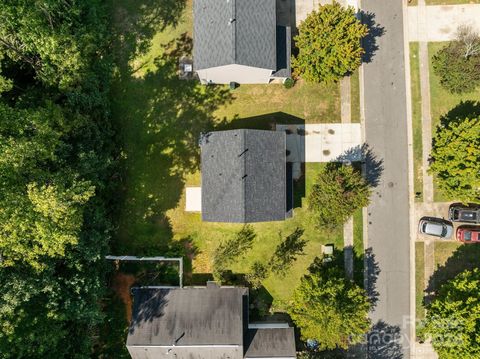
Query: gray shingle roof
(271, 343)
(189, 316)
(234, 32)
(243, 176)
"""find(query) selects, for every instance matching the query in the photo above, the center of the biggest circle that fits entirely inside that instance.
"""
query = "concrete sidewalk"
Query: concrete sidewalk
(440, 23)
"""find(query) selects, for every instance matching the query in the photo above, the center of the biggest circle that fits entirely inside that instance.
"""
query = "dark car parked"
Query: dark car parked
(462, 213)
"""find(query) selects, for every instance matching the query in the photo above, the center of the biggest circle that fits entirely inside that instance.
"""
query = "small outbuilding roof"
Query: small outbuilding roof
(239, 32)
(244, 176)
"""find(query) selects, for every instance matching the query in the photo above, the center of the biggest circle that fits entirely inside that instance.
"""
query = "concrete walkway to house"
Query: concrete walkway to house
(346, 115)
(425, 110)
(440, 23)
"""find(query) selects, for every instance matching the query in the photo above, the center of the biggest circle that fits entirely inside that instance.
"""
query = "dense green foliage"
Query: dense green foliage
(232, 249)
(457, 73)
(455, 157)
(55, 161)
(329, 308)
(328, 44)
(338, 191)
(453, 317)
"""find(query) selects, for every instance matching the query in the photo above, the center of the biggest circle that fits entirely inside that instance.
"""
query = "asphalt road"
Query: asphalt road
(388, 269)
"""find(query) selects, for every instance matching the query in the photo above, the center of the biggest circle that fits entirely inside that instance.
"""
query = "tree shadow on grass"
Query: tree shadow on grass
(465, 257)
(375, 31)
(135, 23)
(465, 109)
(160, 118)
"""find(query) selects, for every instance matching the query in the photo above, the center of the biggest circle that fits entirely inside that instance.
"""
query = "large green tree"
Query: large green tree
(455, 157)
(329, 308)
(328, 43)
(457, 73)
(58, 40)
(336, 193)
(453, 318)
(55, 170)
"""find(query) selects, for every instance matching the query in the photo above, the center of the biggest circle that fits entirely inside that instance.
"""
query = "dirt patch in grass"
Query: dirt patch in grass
(121, 285)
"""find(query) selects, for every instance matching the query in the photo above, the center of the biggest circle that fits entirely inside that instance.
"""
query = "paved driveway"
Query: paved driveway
(439, 23)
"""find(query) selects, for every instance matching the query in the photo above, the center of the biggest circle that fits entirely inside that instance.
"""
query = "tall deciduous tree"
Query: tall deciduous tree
(328, 43)
(453, 317)
(455, 157)
(329, 308)
(337, 192)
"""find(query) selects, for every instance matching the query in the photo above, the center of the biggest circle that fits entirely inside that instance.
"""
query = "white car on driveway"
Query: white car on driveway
(436, 227)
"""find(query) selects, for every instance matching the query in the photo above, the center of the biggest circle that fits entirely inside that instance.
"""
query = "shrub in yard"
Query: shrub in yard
(453, 317)
(288, 83)
(328, 43)
(258, 273)
(458, 73)
(329, 308)
(455, 157)
(338, 191)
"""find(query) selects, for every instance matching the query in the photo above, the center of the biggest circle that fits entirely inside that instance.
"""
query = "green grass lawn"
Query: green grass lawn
(206, 236)
(443, 101)
(416, 121)
(159, 118)
(419, 279)
(355, 96)
(312, 103)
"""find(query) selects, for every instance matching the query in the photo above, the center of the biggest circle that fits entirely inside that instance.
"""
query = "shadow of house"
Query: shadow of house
(375, 31)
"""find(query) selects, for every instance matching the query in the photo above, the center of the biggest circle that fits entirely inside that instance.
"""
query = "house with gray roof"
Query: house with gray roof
(245, 176)
(239, 41)
(202, 323)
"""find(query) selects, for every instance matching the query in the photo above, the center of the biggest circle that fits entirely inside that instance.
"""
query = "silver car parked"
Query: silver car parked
(437, 227)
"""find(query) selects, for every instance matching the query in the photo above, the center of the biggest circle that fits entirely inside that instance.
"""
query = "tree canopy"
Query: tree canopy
(329, 44)
(329, 308)
(455, 157)
(453, 317)
(56, 156)
(458, 73)
(336, 193)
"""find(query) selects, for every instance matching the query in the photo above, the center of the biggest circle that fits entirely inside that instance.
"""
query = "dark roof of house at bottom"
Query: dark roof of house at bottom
(243, 176)
(191, 316)
(194, 317)
(234, 32)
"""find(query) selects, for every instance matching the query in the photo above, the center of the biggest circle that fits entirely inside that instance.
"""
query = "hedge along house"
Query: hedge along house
(245, 176)
(239, 41)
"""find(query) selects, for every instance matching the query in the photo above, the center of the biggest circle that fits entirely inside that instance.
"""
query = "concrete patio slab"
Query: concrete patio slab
(194, 199)
(440, 23)
(337, 142)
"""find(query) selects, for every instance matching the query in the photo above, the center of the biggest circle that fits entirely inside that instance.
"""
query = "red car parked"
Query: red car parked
(468, 234)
